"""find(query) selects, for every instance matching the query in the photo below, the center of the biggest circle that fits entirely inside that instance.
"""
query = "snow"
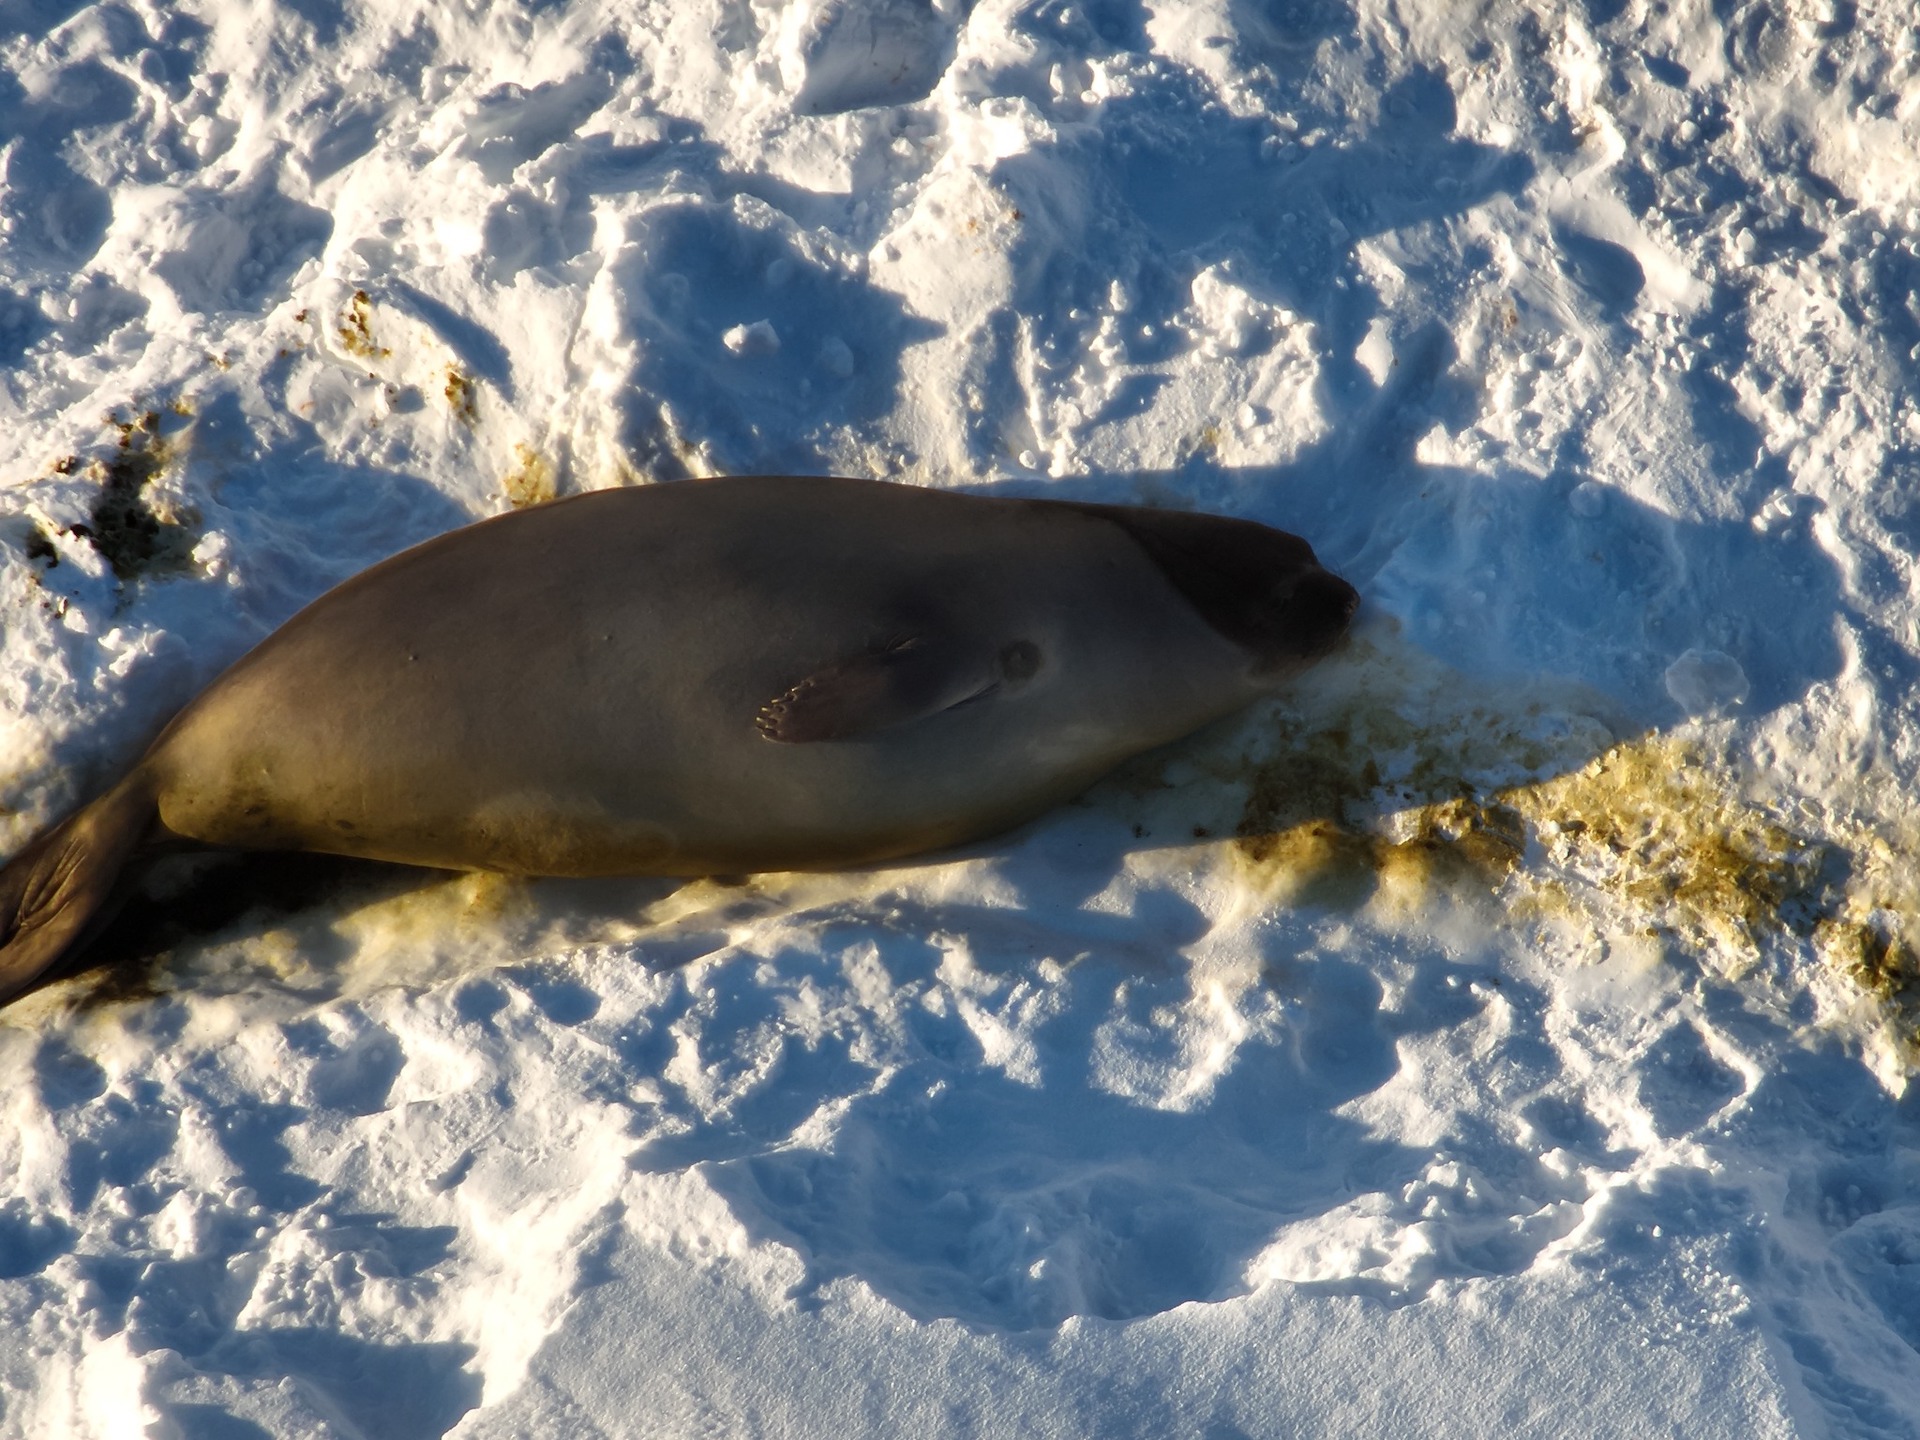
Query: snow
(1507, 1031)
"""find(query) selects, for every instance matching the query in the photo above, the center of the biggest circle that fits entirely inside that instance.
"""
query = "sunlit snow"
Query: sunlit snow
(1507, 1032)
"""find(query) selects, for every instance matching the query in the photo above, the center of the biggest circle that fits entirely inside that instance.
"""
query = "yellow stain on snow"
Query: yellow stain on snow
(356, 329)
(463, 395)
(531, 481)
(1393, 797)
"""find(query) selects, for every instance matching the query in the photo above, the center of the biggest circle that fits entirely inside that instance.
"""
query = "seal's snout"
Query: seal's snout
(1319, 610)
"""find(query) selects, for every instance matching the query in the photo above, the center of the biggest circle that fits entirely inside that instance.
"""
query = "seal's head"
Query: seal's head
(1262, 588)
(1299, 618)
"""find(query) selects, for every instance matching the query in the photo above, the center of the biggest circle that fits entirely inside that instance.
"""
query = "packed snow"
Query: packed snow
(1506, 1031)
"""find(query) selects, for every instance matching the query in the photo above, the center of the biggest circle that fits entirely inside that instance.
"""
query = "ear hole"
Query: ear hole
(1020, 660)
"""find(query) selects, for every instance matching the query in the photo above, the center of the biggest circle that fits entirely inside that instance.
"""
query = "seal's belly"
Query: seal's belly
(664, 799)
(855, 808)
(586, 775)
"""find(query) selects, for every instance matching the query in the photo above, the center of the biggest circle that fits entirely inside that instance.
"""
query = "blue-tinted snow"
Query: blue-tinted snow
(1584, 337)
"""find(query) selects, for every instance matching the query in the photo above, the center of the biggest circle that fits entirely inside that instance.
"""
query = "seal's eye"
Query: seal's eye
(1020, 660)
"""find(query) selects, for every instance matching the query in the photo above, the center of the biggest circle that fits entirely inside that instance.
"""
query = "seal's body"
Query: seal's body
(713, 676)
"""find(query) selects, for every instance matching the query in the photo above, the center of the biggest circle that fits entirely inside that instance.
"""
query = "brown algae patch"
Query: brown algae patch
(1873, 935)
(1322, 823)
(1396, 794)
(463, 395)
(356, 329)
(1386, 776)
(531, 481)
(1448, 844)
(1652, 821)
(133, 535)
(1687, 839)
(1661, 823)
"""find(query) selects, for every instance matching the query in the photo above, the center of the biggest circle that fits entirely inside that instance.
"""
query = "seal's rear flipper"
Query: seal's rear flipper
(55, 889)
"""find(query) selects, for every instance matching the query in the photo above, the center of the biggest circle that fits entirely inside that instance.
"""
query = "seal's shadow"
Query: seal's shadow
(177, 901)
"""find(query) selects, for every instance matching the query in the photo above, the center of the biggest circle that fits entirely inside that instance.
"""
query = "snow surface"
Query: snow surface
(1506, 1033)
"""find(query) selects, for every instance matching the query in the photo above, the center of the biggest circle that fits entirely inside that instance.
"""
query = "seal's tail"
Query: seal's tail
(53, 891)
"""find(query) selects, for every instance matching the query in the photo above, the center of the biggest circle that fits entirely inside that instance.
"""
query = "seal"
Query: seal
(703, 677)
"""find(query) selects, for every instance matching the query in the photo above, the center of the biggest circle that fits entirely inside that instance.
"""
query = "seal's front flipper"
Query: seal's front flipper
(906, 680)
(53, 891)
